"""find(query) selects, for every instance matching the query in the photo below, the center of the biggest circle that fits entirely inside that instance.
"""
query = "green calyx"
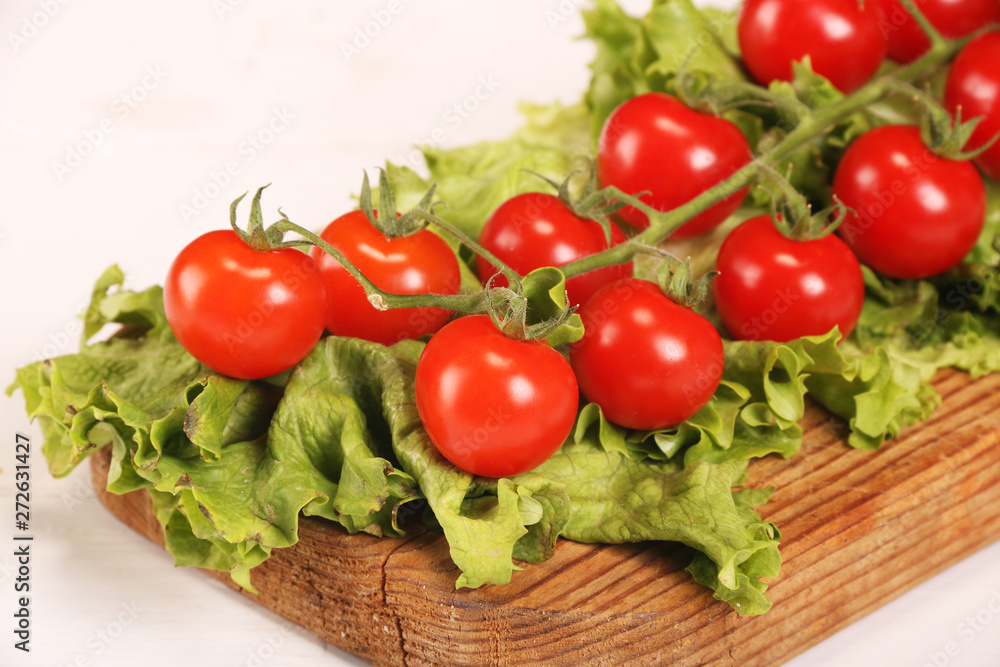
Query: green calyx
(676, 279)
(792, 213)
(256, 235)
(538, 309)
(944, 135)
(385, 218)
(948, 139)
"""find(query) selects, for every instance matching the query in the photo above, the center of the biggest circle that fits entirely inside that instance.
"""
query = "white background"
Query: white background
(199, 79)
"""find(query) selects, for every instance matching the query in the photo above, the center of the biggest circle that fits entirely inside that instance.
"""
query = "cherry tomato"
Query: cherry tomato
(974, 84)
(241, 312)
(655, 143)
(841, 38)
(647, 361)
(536, 229)
(917, 214)
(953, 19)
(421, 263)
(771, 287)
(491, 405)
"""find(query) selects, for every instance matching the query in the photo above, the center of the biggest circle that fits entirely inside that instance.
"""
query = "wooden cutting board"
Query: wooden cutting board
(858, 530)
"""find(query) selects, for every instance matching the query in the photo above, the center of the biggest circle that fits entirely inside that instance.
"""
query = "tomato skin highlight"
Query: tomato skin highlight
(654, 143)
(974, 85)
(842, 39)
(421, 263)
(953, 19)
(494, 406)
(648, 362)
(771, 287)
(537, 229)
(244, 313)
(917, 215)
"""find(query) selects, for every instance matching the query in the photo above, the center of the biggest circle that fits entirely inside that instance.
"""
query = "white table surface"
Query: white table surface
(161, 96)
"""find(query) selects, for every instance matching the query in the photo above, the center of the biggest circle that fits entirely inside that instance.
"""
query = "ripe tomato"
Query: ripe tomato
(771, 287)
(420, 263)
(647, 361)
(494, 406)
(655, 143)
(841, 37)
(974, 84)
(917, 214)
(244, 313)
(536, 229)
(953, 19)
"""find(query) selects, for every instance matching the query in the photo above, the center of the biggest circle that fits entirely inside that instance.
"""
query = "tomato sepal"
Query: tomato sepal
(677, 280)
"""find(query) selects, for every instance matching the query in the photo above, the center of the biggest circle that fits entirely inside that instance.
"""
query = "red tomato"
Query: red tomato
(974, 84)
(535, 229)
(917, 214)
(244, 313)
(420, 263)
(841, 37)
(953, 19)
(491, 405)
(647, 361)
(654, 143)
(771, 287)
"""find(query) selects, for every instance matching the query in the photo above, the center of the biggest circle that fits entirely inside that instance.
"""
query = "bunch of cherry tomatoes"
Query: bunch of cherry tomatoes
(496, 405)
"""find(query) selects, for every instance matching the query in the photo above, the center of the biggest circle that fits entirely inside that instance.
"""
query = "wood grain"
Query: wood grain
(858, 530)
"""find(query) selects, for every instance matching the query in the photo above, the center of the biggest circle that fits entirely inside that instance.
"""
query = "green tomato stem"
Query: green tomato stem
(935, 37)
(662, 224)
(379, 298)
(513, 277)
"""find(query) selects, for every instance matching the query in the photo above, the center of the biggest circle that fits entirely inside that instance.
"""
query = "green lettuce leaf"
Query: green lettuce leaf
(917, 323)
(199, 441)
(757, 408)
(640, 55)
(616, 499)
(474, 180)
(230, 464)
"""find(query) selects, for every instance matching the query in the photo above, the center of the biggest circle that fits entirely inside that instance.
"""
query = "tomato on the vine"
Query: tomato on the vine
(841, 37)
(492, 405)
(536, 229)
(420, 263)
(953, 19)
(653, 143)
(915, 214)
(974, 85)
(244, 313)
(648, 362)
(772, 287)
